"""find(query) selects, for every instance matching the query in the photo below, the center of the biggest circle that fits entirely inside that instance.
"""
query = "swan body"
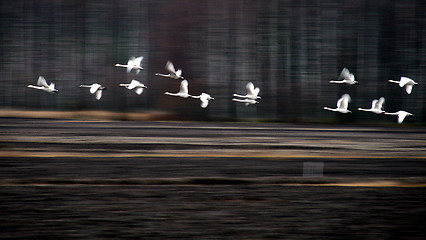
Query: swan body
(172, 72)
(205, 98)
(406, 83)
(401, 115)
(95, 89)
(132, 64)
(252, 93)
(247, 101)
(42, 85)
(342, 104)
(347, 78)
(376, 106)
(134, 85)
(183, 92)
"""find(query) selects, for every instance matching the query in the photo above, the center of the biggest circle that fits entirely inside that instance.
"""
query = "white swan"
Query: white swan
(42, 85)
(247, 101)
(95, 89)
(183, 92)
(172, 72)
(401, 115)
(136, 85)
(406, 83)
(133, 63)
(204, 97)
(342, 104)
(376, 106)
(347, 77)
(252, 93)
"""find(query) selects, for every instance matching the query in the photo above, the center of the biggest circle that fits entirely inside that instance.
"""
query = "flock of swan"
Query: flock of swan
(377, 104)
(251, 97)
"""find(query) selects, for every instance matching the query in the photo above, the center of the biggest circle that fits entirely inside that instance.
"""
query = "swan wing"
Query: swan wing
(408, 88)
(179, 72)
(401, 116)
(94, 88)
(184, 87)
(170, 68)
(342, 103)
(133, 84)
(404, 80)
(374, 104)
(52, 86)
(139, 90)
(204, 100)
(345, 74)
(98, 94)
(379, 103)
(137, 62)
(42, 82)
(250, 88)
(130, 64)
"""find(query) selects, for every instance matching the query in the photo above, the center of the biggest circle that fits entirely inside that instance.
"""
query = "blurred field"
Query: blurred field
(73, 179)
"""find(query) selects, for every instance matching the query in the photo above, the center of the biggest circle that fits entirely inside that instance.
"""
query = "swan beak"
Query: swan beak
(212, 99)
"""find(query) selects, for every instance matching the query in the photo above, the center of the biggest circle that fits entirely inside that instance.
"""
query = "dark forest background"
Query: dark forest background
(288, 48)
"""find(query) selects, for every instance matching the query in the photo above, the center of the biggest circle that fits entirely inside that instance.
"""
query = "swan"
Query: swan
(42, 85)
(252, 93)
(183, 92)
(376, 106)
(204, 97)
(347, 77)
(133, 63)
(95, 89)
(342, 104)
(247, 101)
(172, 72)
(136, 85)
(406, 83)
(401, 115)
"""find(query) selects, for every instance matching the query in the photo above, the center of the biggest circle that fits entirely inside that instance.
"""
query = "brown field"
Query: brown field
(75, 179)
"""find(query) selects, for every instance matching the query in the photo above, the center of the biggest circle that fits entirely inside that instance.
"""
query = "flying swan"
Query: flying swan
(401, 115)
(376, 106)
(42, 85)
(134, 85)
(183, 92)
(95, 89)
(342, 104)
(172, 72)
(347, 77)
(406, 83)
(204, 97)
(133, 63)
(252, 93)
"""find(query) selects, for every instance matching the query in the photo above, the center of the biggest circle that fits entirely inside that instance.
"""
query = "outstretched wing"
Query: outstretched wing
(94, 88)
(408, 88)
(342, 103)
(184, 87)
(139, 90)
(98, 94)
(404, 80)
(133, 84)
(401, 116)
(170, 68)
(137, 62)
(179, 73)
(250, 88)
(42, 82)
(345, 74)
(379, 103)
(130, 64)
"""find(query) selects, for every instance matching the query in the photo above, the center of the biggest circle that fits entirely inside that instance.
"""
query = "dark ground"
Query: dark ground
(185, 180)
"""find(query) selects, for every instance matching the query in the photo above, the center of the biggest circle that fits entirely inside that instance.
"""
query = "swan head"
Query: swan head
(356, 82)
